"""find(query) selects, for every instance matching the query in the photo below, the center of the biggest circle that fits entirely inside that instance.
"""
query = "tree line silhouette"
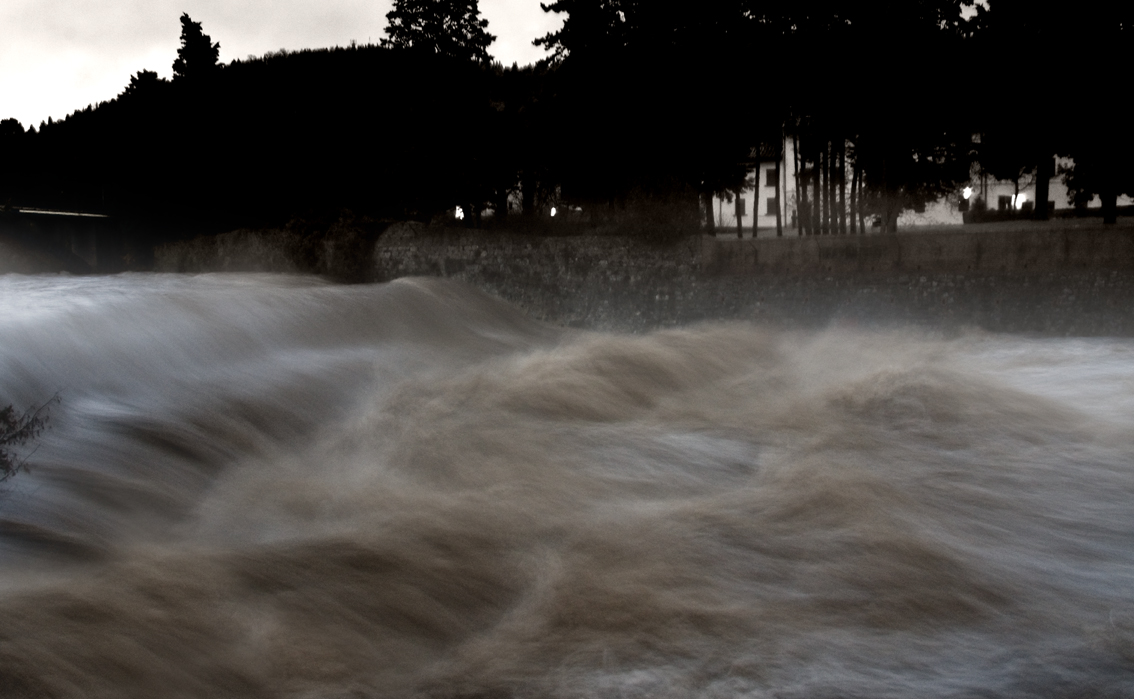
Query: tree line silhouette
(642, 107)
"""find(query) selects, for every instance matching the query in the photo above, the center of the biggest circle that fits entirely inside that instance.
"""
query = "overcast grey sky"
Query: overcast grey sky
(57, 56)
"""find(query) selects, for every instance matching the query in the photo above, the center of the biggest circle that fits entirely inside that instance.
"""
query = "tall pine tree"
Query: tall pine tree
(198, 55)
(450, 28)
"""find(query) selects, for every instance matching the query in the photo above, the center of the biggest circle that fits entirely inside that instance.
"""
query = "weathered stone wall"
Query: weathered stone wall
(576, 280)
(1061, 280)
(235, 251)
(1024, 250)
(1009, 281)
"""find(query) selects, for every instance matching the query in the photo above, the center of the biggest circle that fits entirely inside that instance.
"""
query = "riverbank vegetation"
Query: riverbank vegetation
(17, 431)
(638, 106)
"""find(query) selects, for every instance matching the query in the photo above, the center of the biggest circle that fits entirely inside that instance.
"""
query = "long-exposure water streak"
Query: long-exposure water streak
(272, 486)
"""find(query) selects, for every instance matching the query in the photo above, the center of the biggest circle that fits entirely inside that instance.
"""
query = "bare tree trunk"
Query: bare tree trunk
(798, 186)
(889, 219)
(1045, 170)
(816, 188)
(833, 185)
(861, 206)
(842, 187)
(819, 191)
(707, 199)
(828, 190)
(527, 198)
(740, 211)
(854, 201)
(779, 199)
(804, 191)
(862, 199)
(1109, 204)
(824, 173)
(1109, 168)
(500, 208)
(1108, 194)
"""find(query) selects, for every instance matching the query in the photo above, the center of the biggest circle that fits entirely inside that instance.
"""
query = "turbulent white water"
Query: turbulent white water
(259, 486)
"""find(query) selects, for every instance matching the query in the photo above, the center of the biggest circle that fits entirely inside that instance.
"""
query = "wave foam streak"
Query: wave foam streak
(267, 487)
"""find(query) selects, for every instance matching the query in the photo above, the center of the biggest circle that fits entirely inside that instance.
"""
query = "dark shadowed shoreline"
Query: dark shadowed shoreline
(1077, 303)
(605, 282)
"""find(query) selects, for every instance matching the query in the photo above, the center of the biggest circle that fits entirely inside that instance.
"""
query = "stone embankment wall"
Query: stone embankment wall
(1062, 280)
(1056, 281)
(1026, 249)
(574, 280)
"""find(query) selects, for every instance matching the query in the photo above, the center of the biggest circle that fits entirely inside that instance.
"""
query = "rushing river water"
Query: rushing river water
(261, 486)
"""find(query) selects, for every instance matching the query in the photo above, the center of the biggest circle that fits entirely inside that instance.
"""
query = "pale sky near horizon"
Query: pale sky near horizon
(57, 56)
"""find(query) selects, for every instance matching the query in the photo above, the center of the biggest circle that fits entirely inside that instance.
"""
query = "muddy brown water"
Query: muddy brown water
(269, 486)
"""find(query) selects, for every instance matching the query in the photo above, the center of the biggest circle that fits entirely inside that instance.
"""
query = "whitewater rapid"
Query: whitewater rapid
(271, 486)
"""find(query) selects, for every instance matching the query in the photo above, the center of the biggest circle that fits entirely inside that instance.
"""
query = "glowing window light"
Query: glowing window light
(968, 192)
(1019, 201)
(459, 214)
(553, 211)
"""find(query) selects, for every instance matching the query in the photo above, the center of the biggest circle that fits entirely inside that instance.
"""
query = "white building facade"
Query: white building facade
(758, 202)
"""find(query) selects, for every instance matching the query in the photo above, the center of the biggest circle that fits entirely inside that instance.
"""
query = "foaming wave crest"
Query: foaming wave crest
(269, 486)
